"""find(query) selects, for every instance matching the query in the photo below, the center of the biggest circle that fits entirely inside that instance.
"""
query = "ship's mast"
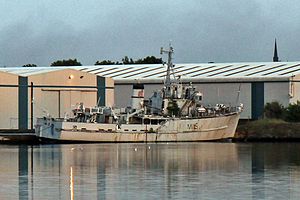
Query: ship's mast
(170, 51)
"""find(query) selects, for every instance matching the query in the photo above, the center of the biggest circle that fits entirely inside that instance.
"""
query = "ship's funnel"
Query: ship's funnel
(137, 98)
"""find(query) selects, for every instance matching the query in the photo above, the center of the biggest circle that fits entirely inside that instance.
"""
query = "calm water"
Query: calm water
(151, 171)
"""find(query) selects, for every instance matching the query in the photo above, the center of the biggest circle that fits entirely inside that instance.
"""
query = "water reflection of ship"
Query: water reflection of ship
(138, 161)
(99, 166)
(195, 157)
(114, 162)
(102, 168)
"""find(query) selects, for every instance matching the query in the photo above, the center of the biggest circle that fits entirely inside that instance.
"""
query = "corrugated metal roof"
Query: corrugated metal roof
(186, 71)
(201, 71)
(28, 71)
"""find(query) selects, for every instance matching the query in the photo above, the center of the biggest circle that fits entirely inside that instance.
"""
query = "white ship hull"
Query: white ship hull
(173, 130)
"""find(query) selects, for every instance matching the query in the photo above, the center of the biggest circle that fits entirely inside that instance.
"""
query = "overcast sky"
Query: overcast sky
(42, 31)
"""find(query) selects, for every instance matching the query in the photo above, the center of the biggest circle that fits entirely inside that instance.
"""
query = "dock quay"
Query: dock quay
(12, 136)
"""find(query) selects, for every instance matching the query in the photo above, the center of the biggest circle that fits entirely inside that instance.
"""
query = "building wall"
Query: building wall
(253, 94)
(122, 95)
(58, 92)
(294, 89)
(228, 94)
(277, 91)
(55, 93)
(8, 101)
(109, 92)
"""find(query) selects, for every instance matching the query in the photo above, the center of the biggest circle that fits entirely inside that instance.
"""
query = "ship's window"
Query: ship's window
(133, 129)
(146, 121)
(94, 110)
(110, 130)
(125, 129)
(161, 121)
(154, 121)
(83, 129)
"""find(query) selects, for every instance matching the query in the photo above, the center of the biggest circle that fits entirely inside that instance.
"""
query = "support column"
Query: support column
(101, 90)
(257, 100)
(23, 103)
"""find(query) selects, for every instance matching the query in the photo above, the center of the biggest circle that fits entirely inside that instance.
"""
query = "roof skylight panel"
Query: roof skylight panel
(292, 71)
(129, 72)
(264, 70)
(157, 74)
(163, 72)
(244, 70)
(83, 69)
(225, 69)
(213, 69)
(199, 69)
(185, 69)
(121, 70)
(282, 70)
(106, 70)
(93, 70)
(142, 72)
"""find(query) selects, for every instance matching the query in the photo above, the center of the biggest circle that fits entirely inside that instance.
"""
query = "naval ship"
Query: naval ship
(175, 113)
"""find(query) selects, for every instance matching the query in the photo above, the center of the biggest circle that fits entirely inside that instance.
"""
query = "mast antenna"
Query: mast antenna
(169, 51)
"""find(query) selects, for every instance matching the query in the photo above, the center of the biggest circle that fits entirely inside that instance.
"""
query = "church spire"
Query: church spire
(275, 57)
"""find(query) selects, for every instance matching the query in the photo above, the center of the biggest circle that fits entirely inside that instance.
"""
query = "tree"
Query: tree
(70, 62)
(173, 108)
(274, 110)
(149, 60)
(292, 112)
(30, 65)
(127, 61)
(105, 62)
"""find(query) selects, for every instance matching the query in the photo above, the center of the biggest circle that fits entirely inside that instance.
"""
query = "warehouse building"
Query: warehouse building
(253, 84)
(27, 93)
(56, 90)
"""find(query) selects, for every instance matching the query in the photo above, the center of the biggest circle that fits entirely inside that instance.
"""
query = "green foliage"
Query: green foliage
(173, 108)
(292, 112)
(274, 110)
(70, 62)
(149, 60)
(128, 61)
(30, 65)
(105, 62)
(270, 129)
(151, 130)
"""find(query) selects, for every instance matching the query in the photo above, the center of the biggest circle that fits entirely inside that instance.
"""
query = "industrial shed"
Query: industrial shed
(253, 84)
(55, 91)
